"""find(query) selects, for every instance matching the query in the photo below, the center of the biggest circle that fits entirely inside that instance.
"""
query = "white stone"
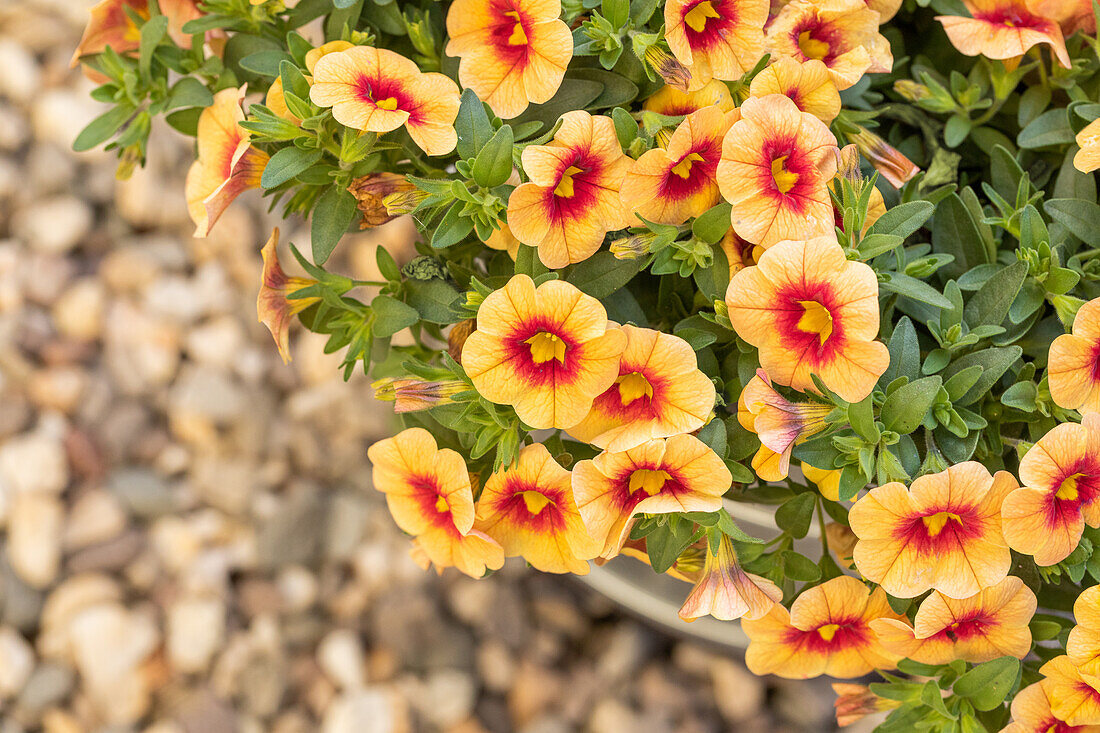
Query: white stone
(78, 313)
(298, 587)
(21, 78)
(34, 537)
(58, 387)
(16, 662)
(34, 462)
(216, 343)
(447, 698)
(196, 631)
(96, 516)
(55, 225)
(59, 115)
(72, 596)
(340, 655)
(110, 645)
(363, 711)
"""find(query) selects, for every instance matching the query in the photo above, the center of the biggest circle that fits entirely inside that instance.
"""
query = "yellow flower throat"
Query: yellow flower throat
(696, 18)
(546, 346)
(518, 37)
(633, 386)
(811, 47)
(828, 631)
(389, 103)
(784, 179)
(565, 185)
(683, 168)
(648, 480)
(816, 318)
(535, 501)
(935, 523)
(1067, 490)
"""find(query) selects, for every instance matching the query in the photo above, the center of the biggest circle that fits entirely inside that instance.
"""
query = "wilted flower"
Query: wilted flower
(226, 165)
(726, 592)
(371, 190)
(674, 73)
(274, 304)
(410, 394)
(457, 336)
(400, 203)
(944, 533)
(855, 702)
(1003, 29)
(886, 159)
(827, 631)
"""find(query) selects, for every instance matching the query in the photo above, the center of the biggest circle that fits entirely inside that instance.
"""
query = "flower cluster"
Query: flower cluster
(838, 259)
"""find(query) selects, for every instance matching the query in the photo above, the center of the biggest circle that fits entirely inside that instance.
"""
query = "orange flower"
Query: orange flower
(572, 200)
(1072, 15)
(226, 165)
(674, 184)
(886, 159)
(512, 52)
(780, 423)
(807, 83)
(276, 98)
(739, 253)
(841, 541)
(503, 240)
(944, 533)
(547, 351)
(842, 34)
(716, 39)
(811, 311)
(681, 474)
(428, 493)
(727, 592)
(1073, 695)
(1073, 369)
(671, 101)
(274, 306)
(1003, 29)
(1061, 478)
(110, 25)
(828, 631)
(659, 392)
(855, 702)
(377, 90)
(775, 168)
(886, 9)
(991, 624)
(826, 480)
(1083, 647)
(1087, 159)
(529, 510)
(1032, 713)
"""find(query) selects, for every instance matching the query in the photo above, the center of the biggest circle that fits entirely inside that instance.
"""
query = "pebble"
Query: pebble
(196, 630)
(340, 655)
(48, 685)
(16, 662)
(34, 537)
(96, 516)
(34, 463)
(110, 646)
(21, 77)
(55, 225)
(78, 312)
(363, 711)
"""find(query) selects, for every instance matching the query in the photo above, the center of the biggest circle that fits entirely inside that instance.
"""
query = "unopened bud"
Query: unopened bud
(674, 73)
(634, 246)
(404, 202)
(412, 394)
(911, 90)
(456, 339)
(887, 160)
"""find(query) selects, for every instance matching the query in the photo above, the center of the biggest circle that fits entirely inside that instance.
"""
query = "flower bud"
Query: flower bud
(911, 90)
(674, 73)
(854, 702)
(457, 337)
(412, 394)
(403, 202)
(887, 160)
(634, 246)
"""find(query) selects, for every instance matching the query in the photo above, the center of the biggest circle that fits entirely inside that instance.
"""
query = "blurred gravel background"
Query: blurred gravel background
(189, 541)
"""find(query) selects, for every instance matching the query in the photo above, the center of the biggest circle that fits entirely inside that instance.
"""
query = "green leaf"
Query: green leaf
(452, 228)
(266, 62)
(955, 232)
(911, 287)
(434, 300)
(102, 128)
(602, 274)
(712, 224)
(1047, 130)
(472, 125)
(1081, 218)
(189, 92)
(714, 435)
(904, 353)
(795, 514)
(152, 33)
(493, 164)
(995, 361)
(905, 408)
(616, 89)
(667, 542)
(391, 315)
(798, 567)
(861, 415)
(960, 382)
(989, 306)
(987, 685)
(904, 219)
(332, 216)
(286, 164)
(626, 127)
(386, 264)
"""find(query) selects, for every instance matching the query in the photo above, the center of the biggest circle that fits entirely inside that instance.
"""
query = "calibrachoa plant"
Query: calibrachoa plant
(836, 257)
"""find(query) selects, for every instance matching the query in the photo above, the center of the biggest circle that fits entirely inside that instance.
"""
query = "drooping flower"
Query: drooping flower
(1032, 713)
(1004, 30)
(855, 702)
(716, 39)
(1083, 646)
(842, 34)
(726, 592)
(369, 192)
(671, 185)
(572, 199)
(886, 159)
(1073, 695)
(668, 67)
(274, 304)
(547, 351)
(775, 167)
(807, 83)
(110, 25)
(411, 394)
(227, 164)
(429, 496)
(1073, 369)
(943, 533)
(1061, 484)
(779, 423)
(659, 392)
(739, 253)
(811, 311)
(681, 474)
(669, 100)
(827, 631)
(529, 509)
(377, 90)
(511, 52)
(985, 626)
